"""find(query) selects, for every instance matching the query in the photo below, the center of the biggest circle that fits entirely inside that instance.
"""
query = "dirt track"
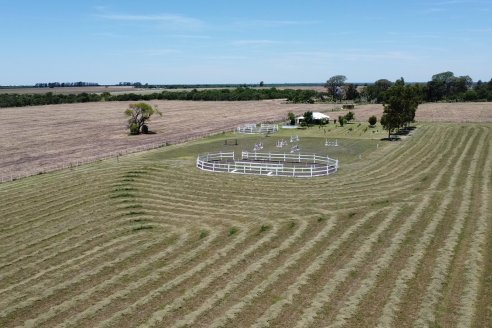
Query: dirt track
(39, 138)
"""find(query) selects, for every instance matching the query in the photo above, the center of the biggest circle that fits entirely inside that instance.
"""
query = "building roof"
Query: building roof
(316, 116)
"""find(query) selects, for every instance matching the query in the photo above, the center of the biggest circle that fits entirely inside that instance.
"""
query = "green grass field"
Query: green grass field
(400, 236)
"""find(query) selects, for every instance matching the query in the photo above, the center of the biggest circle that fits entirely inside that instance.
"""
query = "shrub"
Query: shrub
(341, 120)
(349, 116)
(373, 120)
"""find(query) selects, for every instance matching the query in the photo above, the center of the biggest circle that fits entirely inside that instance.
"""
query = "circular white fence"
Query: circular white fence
(269, 164)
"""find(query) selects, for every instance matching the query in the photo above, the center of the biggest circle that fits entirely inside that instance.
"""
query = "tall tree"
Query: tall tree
(377, 91)
(351, 93)
(334, 86)
(139, 114)
(401, 105)
(308, 118)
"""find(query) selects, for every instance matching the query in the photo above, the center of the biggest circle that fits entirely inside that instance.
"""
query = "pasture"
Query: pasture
(401, 235)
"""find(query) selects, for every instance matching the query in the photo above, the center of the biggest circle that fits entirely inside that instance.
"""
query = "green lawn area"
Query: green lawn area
(354, 141)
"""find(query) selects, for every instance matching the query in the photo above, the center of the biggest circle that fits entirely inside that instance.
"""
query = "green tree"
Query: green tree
(308, 117)
(377, 91)
(350, 116)
(401, 106)
(352, 93)
(334, 86)
(373, 120)
(342, 120)
(292, 118)
(139, 114)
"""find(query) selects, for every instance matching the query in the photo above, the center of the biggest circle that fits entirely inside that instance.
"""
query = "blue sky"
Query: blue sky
(218, 41)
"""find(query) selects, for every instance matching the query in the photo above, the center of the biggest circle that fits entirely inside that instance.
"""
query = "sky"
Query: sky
(219, 41)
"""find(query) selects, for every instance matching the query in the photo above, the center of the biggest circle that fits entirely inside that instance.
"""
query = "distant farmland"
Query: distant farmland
(41, 138)
(399, 236)
(68, 90)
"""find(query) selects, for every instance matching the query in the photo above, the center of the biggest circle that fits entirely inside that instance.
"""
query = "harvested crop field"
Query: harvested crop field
(399, 238)
(435, 112)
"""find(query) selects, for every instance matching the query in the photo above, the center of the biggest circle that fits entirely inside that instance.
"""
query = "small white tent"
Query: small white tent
(317, 116)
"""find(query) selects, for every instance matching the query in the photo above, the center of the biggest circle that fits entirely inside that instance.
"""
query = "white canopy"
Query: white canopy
(316, 116)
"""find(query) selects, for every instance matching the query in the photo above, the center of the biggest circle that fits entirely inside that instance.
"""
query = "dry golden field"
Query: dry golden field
(435, 112)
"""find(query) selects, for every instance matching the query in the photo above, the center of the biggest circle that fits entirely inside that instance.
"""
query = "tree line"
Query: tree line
(66, 84)
(443, 86)
(237, 94)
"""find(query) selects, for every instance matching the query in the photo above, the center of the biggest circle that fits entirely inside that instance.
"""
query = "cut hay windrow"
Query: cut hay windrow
(354, 300)
(115, 280)
(324, 295)
(252, 269)
(72, 264)
(294, 289)
(41, 294)
(392, 305)
(474, 263)
(259, 289)
(205, 263)
(177, 261)
(446, 252)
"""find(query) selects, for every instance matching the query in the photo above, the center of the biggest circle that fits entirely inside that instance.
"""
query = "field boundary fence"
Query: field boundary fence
(67, 164)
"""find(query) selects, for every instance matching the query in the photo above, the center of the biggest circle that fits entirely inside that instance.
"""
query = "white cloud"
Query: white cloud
(162, 18)
(274, 23)
(252, 42)
(157, 52)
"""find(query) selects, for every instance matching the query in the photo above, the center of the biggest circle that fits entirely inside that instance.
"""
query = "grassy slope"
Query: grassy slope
(390, 239)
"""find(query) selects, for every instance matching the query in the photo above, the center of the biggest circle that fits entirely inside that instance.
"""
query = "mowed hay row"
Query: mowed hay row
(398, 238)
